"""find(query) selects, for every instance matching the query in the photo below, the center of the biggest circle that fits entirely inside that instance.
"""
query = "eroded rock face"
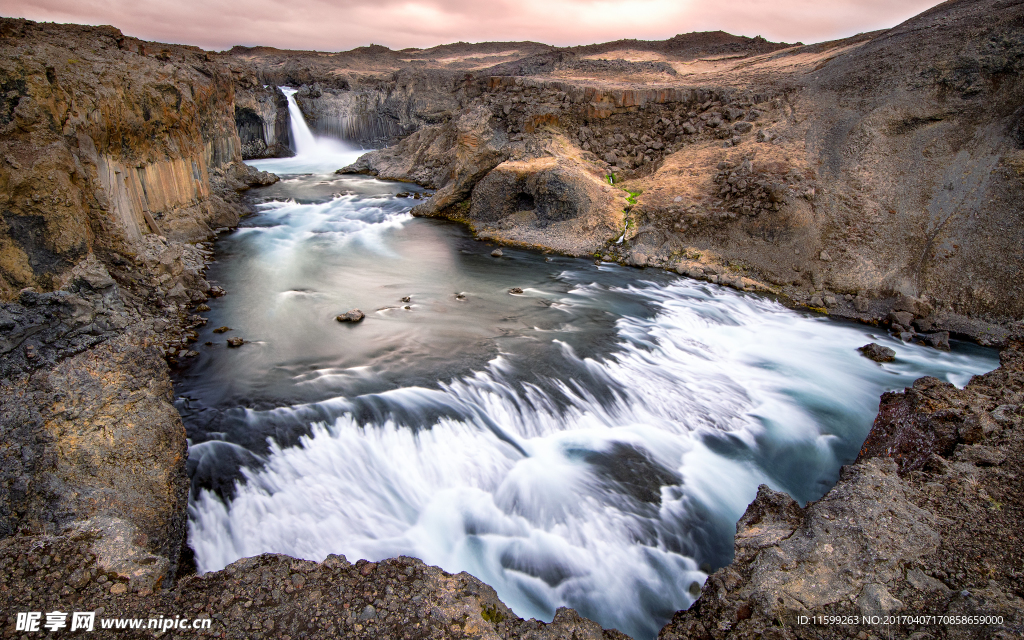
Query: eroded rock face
(554, 202)
(105, 139)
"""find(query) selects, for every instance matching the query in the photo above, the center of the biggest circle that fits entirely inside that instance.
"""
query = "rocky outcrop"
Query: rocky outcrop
(272, 596)
(555, 202)
(262, 121)
(106, 139)
(118, 157)
(927, 522)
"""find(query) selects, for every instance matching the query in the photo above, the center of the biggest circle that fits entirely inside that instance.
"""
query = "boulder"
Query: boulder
(877, 352)
(355, 315)
(556, 202)
(235, 342)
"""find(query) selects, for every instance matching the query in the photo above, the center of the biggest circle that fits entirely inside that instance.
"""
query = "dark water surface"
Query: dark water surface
(588, 443)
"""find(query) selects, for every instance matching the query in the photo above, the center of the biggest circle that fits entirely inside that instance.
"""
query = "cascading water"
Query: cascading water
(308, 146)
(588, 443)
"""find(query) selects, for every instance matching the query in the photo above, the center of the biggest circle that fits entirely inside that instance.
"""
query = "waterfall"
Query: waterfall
(306, 144)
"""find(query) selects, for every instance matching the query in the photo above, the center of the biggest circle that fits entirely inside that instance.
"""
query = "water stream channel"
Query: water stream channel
(588, 443)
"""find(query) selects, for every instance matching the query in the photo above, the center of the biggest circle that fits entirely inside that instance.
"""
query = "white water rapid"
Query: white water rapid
(589, 443)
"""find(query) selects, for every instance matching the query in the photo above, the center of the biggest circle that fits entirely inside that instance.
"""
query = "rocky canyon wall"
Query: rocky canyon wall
(117, 157)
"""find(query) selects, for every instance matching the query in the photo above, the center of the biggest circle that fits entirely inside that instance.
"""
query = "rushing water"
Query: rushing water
(590, 442)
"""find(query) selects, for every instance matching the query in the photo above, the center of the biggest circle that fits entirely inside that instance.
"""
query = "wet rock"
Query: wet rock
(203, 308)
(460, 297)
(939, 340)
(877, 352)
(355, 315)
(235, 342)
(901, 318)
(515, 291)
(406, 298)
(216, 292)
(496, 253)
(222, 329)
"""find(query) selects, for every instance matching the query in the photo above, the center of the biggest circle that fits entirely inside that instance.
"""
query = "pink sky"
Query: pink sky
(335, 25)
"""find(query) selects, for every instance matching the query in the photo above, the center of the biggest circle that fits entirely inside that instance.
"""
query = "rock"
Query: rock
(355, 315)
(875, 600)
(742, 127)
(824, 256)
(860, 303)
(979, 455)
(203, 308)
(924, 582)
(1004, 414)
(496, 253)
(235, 342)
(901, 318)
(817, 301)
(406, 298)
(939, 340)
(216, 292)
(222, 329)
(877, 352)
(460, 296)
(515, 290)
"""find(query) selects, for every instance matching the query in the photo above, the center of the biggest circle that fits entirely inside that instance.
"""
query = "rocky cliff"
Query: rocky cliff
(118, 156)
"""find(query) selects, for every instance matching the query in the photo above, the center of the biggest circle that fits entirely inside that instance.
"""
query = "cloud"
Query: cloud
(334, 25)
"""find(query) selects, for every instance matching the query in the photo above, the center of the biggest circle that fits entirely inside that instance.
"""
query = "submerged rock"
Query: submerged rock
(355, 315)
(222, 329)
(877, 352)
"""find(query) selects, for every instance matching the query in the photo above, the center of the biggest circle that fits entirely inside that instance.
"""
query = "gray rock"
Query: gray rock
(496, 253)
(902, 318)
(1004, 413)
(875, 600)
(979, 455)
(368, 613)
(742, 127)
(877, 352)
(939, 340)
(924, 582)
(355, 315)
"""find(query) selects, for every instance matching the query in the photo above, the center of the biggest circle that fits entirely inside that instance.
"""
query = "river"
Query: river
(589, 442)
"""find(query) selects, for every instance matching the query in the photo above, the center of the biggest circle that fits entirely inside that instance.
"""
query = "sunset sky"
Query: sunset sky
(335, 25)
